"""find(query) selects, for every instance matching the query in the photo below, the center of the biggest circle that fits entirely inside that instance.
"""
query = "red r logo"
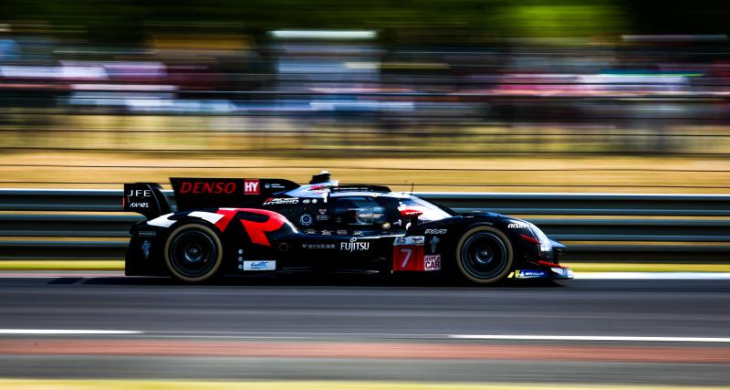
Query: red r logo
(255, 230)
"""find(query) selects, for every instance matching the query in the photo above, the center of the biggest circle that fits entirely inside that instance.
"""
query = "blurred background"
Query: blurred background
(488, 96)
(457, 95)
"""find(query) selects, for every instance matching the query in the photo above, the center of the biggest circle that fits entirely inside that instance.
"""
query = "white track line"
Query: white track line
(82, 332)
(63, 332)
(591, 338)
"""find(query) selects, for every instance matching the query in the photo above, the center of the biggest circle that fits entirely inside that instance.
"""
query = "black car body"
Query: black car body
(251, 226)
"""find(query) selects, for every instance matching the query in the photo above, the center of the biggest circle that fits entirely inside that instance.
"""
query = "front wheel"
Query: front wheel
(193, 253)
(484, 255)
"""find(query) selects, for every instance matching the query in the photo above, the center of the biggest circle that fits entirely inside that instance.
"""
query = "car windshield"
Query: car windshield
(359, 211)
(430, 211)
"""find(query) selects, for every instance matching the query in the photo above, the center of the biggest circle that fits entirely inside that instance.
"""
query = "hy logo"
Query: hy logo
(251, 187)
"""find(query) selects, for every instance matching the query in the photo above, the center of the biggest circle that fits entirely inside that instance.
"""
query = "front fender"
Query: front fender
(450, 230)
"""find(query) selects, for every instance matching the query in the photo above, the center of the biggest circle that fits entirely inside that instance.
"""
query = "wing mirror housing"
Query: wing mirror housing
(411, 215)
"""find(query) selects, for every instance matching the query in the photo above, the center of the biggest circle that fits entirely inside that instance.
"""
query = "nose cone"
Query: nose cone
(558, 247)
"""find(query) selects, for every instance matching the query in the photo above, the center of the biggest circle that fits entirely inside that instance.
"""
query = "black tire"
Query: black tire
(193, 253)
(484, 255)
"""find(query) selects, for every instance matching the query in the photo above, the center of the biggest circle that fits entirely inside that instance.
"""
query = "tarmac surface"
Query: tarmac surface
(586, 331)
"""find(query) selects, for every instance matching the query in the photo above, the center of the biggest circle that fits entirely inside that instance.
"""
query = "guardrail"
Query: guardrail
(80, 224)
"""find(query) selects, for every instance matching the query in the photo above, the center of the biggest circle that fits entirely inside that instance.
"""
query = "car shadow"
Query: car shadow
(308, 281)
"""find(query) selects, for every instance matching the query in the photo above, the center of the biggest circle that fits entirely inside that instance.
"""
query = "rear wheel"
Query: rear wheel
(193, 253)
(484, 255)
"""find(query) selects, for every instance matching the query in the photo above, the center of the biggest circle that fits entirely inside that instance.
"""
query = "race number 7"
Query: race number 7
(408, 254)
(407, 258)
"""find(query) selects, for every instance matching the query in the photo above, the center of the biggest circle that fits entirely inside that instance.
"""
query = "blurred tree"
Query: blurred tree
(128, 20)
(536, 19)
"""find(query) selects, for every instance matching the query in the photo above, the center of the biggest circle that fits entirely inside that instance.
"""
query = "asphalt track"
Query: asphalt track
(590, 331)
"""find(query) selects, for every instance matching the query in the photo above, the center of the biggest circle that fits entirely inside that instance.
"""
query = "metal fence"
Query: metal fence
(82, 224)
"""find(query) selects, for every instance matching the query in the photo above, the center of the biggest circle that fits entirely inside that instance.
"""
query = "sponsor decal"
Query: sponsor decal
(137, 194)
(146, 233)
(326, 232)
(434, 243)
(432, 263)
(318, 246)
(310, 231)
(140, 193)
(322, 211)
(398, 223)
(386, 225)
(409, 240)
(529, 274)
(276, 186)
(355, 246)
(281, 201)
(208, 187)
(323, 218)
(259, 265)
(436, 231)
(306, 201)
(342, 232)
(314, 201)
(305, 220)
(251, 187)
(146, 245)
(517, 225)
(358, 233)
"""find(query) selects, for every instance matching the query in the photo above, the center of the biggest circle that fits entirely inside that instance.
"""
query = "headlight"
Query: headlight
(545, 245)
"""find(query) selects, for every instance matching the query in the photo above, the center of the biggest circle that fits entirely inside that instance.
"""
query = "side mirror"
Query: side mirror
(410, 213)
(412, 216)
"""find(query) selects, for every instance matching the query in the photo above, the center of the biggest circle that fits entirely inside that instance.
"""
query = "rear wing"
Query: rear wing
(202, 193)
(146, 199)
